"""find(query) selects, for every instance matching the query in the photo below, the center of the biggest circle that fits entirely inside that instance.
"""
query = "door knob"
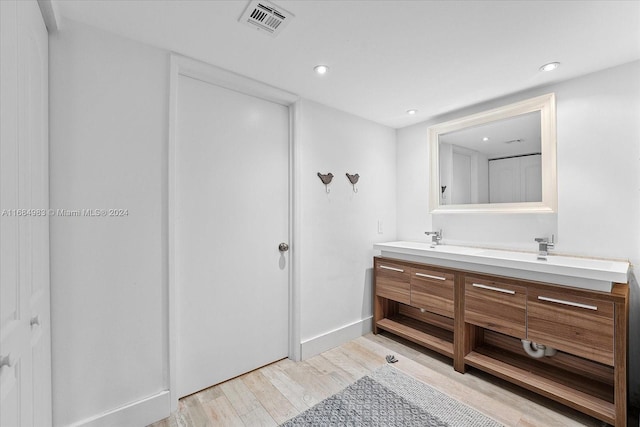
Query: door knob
(35, 321)
(7, 361)
(283, 247)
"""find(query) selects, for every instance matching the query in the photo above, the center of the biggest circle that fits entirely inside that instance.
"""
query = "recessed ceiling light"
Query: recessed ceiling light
(485, 139)
(412, 112)
(321, 69)
(550, 66)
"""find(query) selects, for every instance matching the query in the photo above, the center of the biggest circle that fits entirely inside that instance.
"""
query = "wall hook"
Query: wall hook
(353, 179)
(326, 180)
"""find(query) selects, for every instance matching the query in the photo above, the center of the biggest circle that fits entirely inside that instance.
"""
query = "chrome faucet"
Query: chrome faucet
(543, 246)
(436, 236)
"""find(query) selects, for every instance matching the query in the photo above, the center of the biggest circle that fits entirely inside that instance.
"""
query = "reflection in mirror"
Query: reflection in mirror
(501, 160)
(497, 162)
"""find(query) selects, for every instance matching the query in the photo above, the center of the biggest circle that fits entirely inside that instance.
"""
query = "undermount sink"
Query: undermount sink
(584, 273)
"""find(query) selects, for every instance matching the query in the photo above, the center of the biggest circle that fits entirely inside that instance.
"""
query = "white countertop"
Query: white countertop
(585, 273)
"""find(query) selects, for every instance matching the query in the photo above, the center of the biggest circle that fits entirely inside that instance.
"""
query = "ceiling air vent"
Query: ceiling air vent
(266, 17)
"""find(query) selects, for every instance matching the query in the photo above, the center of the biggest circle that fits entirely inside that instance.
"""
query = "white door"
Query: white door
(231, 214)
(531, 178)
(25, 337)
(461, 186)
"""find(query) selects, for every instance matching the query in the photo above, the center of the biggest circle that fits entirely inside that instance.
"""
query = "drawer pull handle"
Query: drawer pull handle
(491, 288)
(428, 276)
(569, 303)
(384, 267)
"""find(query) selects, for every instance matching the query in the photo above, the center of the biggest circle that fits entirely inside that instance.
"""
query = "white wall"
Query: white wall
(109, 115)
(108, 150)
(338, 229)
(598, 131)
(109, 101)
(491, 230)
(597, 184)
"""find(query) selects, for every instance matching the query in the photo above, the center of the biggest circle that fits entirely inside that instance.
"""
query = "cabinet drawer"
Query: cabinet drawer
(574, 324)
(496, 305)
(392, 281)
(432, 290)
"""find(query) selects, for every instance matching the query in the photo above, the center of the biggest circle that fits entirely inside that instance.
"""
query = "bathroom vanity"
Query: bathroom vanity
(502, 311)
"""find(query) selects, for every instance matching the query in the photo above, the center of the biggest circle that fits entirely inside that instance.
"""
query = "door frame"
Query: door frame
(184, 66)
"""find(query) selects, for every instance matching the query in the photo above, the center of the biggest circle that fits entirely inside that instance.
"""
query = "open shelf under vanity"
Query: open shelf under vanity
(479, 321)
(427, 335)
(582, 384)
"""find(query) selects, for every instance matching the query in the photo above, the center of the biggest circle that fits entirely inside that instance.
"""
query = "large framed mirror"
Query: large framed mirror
(501, 160)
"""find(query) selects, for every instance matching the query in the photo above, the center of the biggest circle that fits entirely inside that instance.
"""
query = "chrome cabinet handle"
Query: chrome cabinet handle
(283, 247)
(569, 303)
(384, 267)
(428, 276)
(491, 288)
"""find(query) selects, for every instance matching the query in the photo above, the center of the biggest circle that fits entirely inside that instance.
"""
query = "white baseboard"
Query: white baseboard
(136, 414)
(331, 339)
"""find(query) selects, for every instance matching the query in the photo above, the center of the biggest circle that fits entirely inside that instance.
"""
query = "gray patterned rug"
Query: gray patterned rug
(389, 398)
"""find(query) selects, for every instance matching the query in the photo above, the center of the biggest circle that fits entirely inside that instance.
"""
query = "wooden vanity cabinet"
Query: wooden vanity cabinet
(415, 303)
(496, 305)
(572, 323)
(432, 290)
(392, 281)
(479, 321)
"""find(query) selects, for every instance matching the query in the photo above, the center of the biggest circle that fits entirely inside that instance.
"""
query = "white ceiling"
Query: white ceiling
(513, 136)
(387, 56)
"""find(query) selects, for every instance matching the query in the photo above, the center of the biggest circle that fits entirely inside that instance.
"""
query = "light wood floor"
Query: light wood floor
(273, 394)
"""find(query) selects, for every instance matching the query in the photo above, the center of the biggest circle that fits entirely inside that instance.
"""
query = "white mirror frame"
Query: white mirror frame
(546, 104)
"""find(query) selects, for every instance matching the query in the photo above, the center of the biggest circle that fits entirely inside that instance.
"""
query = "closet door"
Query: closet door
(461, 185)
(504, 180)
(531, 178)
(516, 179)
(232, 166)
(25, 335)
